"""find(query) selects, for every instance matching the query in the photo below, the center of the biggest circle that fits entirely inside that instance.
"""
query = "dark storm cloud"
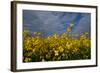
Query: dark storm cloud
(50, 22)
(84, 25)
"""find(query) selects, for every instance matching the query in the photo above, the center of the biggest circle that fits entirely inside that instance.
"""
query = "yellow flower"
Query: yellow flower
(55, 36)
(56, 53)
(60, 48)
(39, 33)
(71, 25)
(41, 57)
(27, 59)
(47, 56)
(33, 50)
(68, 29)
(69, 45)
(43, 60)
(63, 54)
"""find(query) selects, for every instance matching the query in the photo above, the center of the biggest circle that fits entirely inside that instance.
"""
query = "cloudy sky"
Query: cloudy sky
(50, 22)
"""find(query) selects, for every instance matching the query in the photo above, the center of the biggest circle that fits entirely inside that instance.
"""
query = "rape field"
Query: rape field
(56, 47)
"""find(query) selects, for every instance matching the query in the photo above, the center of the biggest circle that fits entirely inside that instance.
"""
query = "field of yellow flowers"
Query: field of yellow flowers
(57, 47)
